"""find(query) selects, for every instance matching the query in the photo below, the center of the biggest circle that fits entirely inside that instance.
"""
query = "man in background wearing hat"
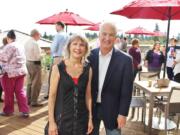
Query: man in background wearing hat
(33, 57)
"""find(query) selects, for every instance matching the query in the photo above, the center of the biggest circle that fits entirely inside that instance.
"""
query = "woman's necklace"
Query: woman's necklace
(74, 69)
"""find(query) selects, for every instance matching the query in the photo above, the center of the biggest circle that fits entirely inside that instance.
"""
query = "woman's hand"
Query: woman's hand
(145, 63)
(53, 129)
(90, 126)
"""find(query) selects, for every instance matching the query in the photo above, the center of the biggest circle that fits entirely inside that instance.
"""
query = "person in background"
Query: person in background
(70, 102)
(13, 59)
(154, 59)
(135, 52)
(163, 49)
(57, 46)
(118, 43)
(4, 41)
(1, 90)
(111, 96)
(176, 69)
(33, 63)
(59, 41)
(170, 58)
(124, 44)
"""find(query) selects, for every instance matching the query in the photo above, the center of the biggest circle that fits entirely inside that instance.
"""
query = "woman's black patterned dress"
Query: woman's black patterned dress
(71, 114)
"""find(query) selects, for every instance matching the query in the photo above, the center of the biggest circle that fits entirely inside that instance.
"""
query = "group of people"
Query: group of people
(83, 86)
(155, 58)
(16, 62)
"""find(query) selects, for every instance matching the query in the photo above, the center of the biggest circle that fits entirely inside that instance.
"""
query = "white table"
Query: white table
(153, 92)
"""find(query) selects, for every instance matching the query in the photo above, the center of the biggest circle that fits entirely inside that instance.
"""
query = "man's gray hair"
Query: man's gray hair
(34, 32)
(112, 25)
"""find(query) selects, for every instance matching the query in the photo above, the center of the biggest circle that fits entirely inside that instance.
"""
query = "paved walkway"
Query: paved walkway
(34, 125)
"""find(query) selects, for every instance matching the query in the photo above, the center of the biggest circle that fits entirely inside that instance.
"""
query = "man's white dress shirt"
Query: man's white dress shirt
(104, 61)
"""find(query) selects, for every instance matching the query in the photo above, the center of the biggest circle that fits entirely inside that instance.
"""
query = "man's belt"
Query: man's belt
(35, 62)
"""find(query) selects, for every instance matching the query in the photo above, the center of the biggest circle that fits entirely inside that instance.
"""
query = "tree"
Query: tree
(91, 36)
(50, 37)
(121, 36)
(45, 35)
(156, 27)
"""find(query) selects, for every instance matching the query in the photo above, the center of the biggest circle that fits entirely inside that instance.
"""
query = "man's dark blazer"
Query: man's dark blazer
(117, 88)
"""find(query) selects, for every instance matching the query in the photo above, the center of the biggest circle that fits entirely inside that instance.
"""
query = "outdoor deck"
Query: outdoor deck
(34, 125)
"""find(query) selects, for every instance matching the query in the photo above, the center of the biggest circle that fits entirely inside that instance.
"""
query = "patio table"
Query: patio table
(153, 92)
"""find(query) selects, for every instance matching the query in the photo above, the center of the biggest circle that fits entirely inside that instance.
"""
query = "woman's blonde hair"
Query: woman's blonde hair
(73, 38)
(156, 43)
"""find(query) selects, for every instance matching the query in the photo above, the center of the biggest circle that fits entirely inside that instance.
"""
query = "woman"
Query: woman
(135, 52)
(4, 41)
(70, 92)
(13, 60)
(154, 58)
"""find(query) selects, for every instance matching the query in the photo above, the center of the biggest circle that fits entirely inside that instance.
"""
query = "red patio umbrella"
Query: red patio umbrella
(94, 27)
(139, 30)
(152, 9)
(68, 18)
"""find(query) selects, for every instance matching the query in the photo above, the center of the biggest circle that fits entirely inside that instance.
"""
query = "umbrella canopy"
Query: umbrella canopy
(139, 30)
(68, 18)
(94, 27)
(152, 9)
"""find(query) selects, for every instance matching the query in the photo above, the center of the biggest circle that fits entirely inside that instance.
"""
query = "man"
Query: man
(33, 57)
(112, 83)
(57, 47)
(59, 42)
(124, 44)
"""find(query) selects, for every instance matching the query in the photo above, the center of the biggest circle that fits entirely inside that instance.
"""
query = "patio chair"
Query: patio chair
(139, 99)
(172, 106)
(145, 76)
(139, 102)
(148, 75)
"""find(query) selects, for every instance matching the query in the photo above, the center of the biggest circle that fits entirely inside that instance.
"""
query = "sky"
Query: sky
(22, 15)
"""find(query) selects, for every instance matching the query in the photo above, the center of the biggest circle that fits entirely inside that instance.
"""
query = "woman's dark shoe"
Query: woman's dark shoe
(5, 114)
(25, 114)
(46, 97)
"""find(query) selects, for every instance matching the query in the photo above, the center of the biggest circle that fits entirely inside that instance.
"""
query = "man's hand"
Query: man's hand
(121, 120)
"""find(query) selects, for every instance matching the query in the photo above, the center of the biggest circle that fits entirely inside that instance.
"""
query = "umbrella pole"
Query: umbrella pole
(167, 41)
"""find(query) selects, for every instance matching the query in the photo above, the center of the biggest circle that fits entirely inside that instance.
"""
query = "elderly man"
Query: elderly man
(112, 82)
(33, 57)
